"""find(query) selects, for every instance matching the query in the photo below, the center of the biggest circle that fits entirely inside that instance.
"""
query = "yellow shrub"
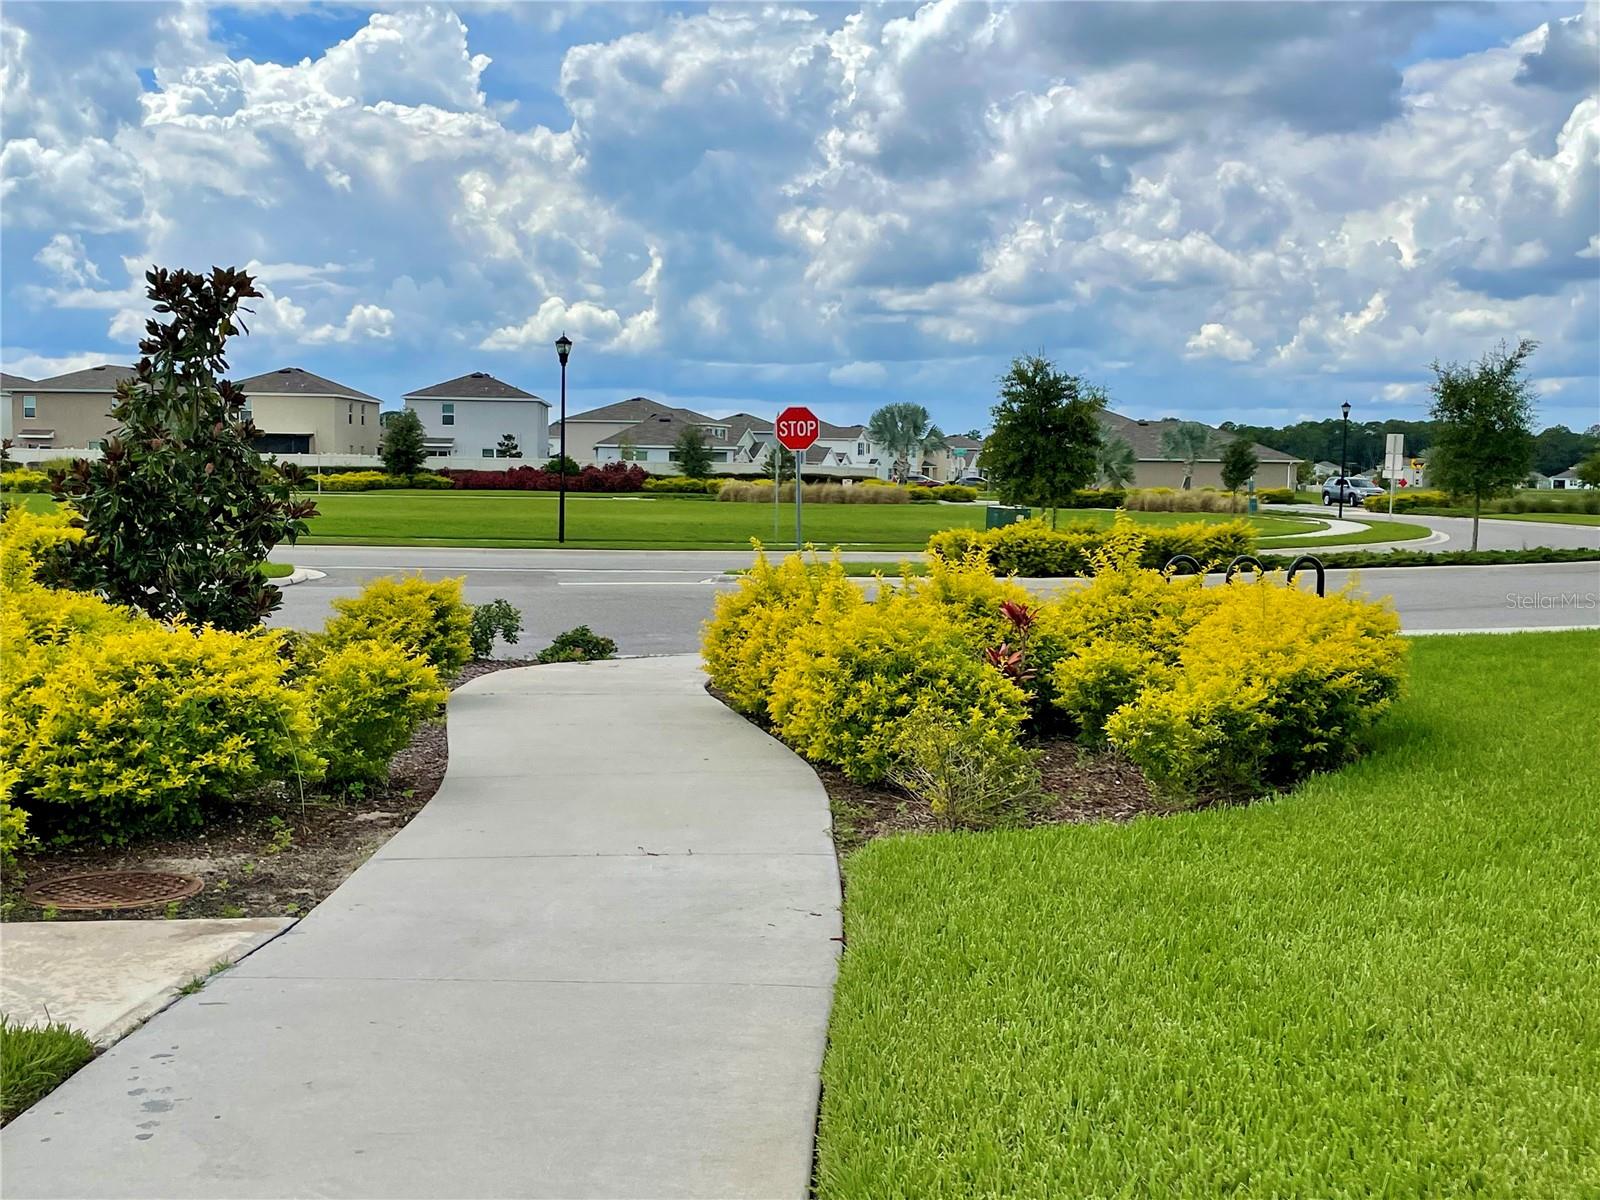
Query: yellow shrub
(750, 629)
(971, 593)
(366, 700)
(25, 539)
(24, 479)
(848, 685)
(1271, 683)
(132, 732)
(427, 618)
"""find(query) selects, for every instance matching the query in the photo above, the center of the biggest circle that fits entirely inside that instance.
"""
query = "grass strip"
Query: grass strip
(34, 1059)
(1382, 984)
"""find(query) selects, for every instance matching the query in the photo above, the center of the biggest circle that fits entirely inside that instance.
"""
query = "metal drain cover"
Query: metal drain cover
(112, 889)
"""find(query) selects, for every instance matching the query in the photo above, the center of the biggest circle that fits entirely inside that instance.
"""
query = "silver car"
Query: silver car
(1352, 489)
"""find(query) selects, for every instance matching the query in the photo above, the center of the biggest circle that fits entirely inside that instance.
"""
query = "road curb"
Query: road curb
(300, 575)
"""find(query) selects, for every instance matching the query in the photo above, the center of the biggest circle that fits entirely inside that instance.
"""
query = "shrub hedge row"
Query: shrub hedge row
(114, 725)
(1033, 550)
(1221, 691)
(612, 477)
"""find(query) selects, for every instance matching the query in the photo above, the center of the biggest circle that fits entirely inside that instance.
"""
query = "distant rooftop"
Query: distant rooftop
(479, 385)
(296, 381)
(103, 378)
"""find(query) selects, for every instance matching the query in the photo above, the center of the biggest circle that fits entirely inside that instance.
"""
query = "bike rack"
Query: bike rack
(1309, 560)
(1244, 560)
(1188, 561)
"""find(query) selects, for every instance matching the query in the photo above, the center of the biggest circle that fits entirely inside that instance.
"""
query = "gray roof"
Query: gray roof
(1145, 438)
(741, 423)
(838, 433)
(479, 385)
(103, 378)
(960, 441)
(664, 427)
(294, 381)
(635, 409)
(7, 382)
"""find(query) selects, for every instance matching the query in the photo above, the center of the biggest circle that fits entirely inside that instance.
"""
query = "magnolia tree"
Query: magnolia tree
(180, 512)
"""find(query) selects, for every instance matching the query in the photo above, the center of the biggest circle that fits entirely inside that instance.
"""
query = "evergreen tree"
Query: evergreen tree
(1239, 463)
(402, 448)
(694, 459)
(1046, 435)
(180, 511)
(1485, 410)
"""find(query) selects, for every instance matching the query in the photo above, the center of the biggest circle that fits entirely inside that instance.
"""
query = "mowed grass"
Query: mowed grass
(34, 1059)
(1385, 984)
(528, 519)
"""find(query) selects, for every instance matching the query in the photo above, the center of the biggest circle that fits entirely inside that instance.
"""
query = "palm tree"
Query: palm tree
(1114, 462)
(903, 430)
(1186, 441)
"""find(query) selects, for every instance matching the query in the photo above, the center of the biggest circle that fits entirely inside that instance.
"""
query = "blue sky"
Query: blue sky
(1246, 211)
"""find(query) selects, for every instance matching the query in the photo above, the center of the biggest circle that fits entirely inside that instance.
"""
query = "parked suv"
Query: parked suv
(1352, 489)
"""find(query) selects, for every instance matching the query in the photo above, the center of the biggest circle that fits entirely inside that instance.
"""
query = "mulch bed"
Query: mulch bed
(1080, 786)
(249, 867)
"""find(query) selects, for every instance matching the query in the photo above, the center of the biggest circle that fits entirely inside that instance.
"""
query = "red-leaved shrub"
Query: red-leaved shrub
(613, 477)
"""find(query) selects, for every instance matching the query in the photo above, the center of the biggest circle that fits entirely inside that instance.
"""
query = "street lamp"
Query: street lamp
(1344, 451)
(563, 349)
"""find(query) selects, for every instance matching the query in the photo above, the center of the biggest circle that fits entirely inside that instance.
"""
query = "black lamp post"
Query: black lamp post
(563, 349)
(1344, 451)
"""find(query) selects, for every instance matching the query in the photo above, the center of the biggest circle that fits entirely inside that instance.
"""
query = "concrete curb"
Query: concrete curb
(300, 575)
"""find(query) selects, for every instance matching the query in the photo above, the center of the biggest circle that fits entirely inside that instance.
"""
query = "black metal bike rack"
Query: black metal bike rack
(1189, 562)
(1309, 560)
(1244, 560)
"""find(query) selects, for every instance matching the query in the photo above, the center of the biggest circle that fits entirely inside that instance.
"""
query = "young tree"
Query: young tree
(508, 447)
(1186, 441)
(905, 431)
(180, 512)
(1046, 438)
(1239, 463)
(1485, 410)
(1589, 471)
(780, 464)
(557, 462)
(694, 459)
(1114, 462)
(402, 448)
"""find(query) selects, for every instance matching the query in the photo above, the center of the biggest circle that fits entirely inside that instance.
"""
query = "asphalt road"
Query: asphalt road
(1455, 533)
(653, 602)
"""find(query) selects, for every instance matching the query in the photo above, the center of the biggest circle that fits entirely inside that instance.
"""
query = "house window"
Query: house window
(488, 452)
(363, 414)
(96, 444)
(447, 414)
(350, 414)
(30, 407)
(861, 449)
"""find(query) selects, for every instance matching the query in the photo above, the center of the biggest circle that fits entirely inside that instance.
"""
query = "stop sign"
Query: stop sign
(797, 428)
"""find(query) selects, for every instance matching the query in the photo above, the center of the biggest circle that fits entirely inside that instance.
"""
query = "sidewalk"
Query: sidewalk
(598, 963)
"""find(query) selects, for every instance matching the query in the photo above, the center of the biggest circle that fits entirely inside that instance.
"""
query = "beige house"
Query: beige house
(1153, 468)
(301, 413)
(64, 412)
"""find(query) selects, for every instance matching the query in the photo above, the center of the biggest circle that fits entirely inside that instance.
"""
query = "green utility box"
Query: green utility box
(997, 515)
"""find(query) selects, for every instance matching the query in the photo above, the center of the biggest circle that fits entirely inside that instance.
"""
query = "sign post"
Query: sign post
(797, 428)
(1394, 461)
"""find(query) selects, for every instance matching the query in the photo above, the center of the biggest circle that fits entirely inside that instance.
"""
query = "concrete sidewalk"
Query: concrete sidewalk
(598, 963)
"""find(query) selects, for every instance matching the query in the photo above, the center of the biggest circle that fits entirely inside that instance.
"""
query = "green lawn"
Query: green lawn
(277, 570)
(528, 519)
(1375, 531)
(1383, 984)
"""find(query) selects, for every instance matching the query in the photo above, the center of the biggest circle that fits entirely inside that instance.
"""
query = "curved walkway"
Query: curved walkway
(598, 963)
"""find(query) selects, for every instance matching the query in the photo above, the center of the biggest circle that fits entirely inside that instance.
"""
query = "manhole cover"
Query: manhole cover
(112, 889)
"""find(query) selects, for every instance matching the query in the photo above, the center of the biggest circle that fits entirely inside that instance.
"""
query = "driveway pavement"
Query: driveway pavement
(598, 963)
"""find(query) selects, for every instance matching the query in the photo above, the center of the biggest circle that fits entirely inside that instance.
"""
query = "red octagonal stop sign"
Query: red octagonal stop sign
(797, 428)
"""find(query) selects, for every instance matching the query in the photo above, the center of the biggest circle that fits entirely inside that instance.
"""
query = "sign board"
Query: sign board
(797, 428)
(1394, 454)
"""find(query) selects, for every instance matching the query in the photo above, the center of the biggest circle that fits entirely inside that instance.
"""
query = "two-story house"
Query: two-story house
(64, 412)
(299, 412)
(479, 416)
(645, 431)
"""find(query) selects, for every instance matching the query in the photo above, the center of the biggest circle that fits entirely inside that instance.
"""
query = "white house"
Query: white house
(471, 417)
(1567, 481)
